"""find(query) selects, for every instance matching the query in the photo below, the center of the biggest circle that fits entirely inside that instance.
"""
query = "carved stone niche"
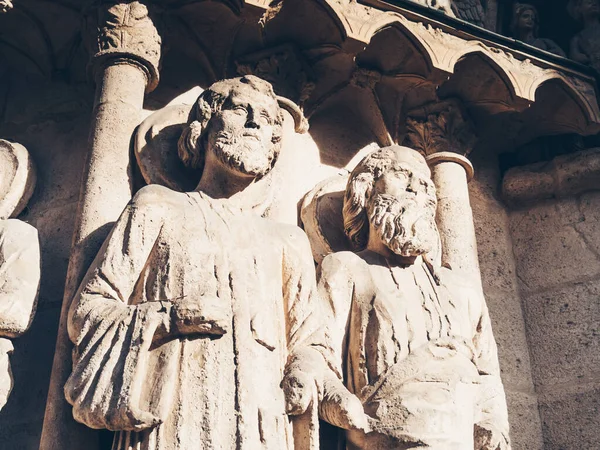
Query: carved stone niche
(19, 255)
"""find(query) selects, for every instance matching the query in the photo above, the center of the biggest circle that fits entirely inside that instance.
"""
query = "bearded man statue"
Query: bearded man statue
(414, 338)
(196, 307)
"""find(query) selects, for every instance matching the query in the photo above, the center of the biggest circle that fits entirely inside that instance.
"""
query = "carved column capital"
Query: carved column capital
(441, 126)
(285, 68)
(123, 33)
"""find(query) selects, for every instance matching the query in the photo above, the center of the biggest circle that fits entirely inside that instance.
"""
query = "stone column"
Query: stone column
(451, 172)
(125, 50)
(445, 136)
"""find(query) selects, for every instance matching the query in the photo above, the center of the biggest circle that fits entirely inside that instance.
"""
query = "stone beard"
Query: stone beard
(404, 225)
(186, 319)
(415, 340)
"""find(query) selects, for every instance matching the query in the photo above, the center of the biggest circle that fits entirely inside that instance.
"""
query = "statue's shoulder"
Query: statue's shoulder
(17, 236)
(290, 234)
(155, 196)
(457, 280)
(18, 228)
(343, 261)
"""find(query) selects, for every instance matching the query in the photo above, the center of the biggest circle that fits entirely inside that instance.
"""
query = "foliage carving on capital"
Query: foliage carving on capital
(285, 68)
(441, 126)
(124, 31)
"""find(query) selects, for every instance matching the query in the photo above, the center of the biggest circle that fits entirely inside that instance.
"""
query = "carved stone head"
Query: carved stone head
(240, 121)
(390, 192)
(525, 19)
(578, 9)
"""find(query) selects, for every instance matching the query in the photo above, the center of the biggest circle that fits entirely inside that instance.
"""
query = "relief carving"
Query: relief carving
(283, 67)
(196, 307)
(124, 30)
(468, 10)
(440, 126)
(19, 256)
(414, 338)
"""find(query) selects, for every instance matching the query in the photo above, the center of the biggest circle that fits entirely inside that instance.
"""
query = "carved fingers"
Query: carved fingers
(301, 390)
(341, 408)
(209, 316)
(488, 437)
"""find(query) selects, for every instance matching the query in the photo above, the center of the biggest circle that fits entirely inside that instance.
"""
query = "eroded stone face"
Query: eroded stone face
(241, 133)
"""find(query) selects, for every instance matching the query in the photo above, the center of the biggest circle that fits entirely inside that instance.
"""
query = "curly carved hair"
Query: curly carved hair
(360, 187)
(518, 10)
(193, 139)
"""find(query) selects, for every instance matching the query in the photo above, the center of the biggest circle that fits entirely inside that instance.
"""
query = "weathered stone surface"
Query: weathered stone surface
(524, 418)
(525, 26)
(511, 337)
(19, 256)
(585, 45)
(543, 237)
(494, 244)
(572, 419)
(565, 176)
(225, 292)
(564, 333)
(402, 325)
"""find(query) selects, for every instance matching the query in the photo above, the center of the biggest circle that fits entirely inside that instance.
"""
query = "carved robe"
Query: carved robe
(420, 356)
(19, 284)
(201, 392)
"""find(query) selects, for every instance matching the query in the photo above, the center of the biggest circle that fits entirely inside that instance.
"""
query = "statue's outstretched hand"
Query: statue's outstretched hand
(301, 390)
(488, 437)
(341, 408)
(205, 316)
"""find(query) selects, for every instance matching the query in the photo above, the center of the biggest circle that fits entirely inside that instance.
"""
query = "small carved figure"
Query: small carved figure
(19, 256)
(525, 27)
(415, 339)
(469, 10)
(585, 45)
(185, 321)
(5, 6)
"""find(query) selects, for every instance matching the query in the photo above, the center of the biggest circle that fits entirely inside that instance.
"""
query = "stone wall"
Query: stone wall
(51, 120)
(501, 289)
(557, 250)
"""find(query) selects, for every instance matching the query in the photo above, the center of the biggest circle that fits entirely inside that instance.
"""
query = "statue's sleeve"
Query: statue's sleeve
(335, 288)
(491, 402)
(309, 344)
(112, 337)
(19, 277)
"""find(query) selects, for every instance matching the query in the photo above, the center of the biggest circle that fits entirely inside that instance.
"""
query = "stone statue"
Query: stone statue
(415, 339)
(585, 45)
(525, 27)
(19, 255)
(468, 10)
(6, 5)
(196, 307)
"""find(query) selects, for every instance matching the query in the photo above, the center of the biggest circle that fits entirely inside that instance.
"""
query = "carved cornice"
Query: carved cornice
(123, 32)
(440, 127)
